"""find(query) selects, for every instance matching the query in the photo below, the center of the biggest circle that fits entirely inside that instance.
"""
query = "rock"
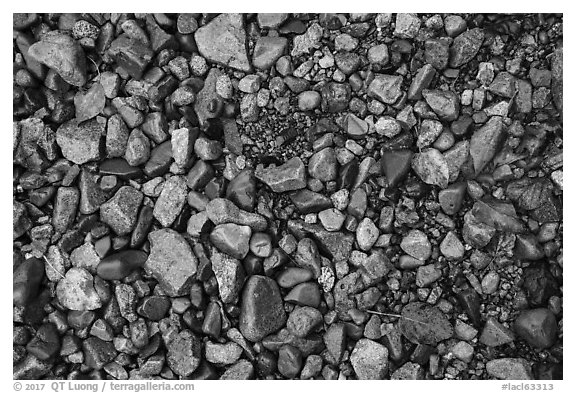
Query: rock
(331, 219)
(307, 201)
(465, 46)
(456, 157)
(267, 51)
(335, 341)
(336, 245)
(417, 245)
(241, 370)
(408, 371)
(475, 232)
(271, 20)
(451, 247)
(65, 208)
(20, 220)
(171, 261)
(208, 104)
(91, 195)
(539, 285)
(485, 142)
(430, 130)
(223, 211)
(445, 104)
(28, 152)
(26, 281)
(304, 294)
(355, 127)
(335, 97)
(171, 201)
(63, 54)
(537, 326)
(427, 275)
(223, 40)
(76, 291)
(287, 177)
(557, 69)
(131, 54)
(262, 311)
(184, 353)
(307, 256)
(407, 25)
(98, 353)
(452, 197)
(509, 369)
(437, 52)
(119, 265)
(137, 148)
(504, 85)
(396, 165)
(490, 282)
(229, 274)
(309, 100)
(323, 165)
(304, 43)
(424, 324)
(495, 334)
(386, 88)
(431, 166)
(120, 212)
(378, 54)
(182, 143)
(289, 361)
(421, 81)
(312, 367)
(242, 190)
(369, 359)
(303, 320)
(497, 214)
(81, 143)
(222, 354)
(86, 257)
(366, 234)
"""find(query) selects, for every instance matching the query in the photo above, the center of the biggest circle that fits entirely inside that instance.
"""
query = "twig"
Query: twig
(95, 65)
(53, 268)
(394, 315)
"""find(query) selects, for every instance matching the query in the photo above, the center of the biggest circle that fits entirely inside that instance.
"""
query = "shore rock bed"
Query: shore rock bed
(287, 196)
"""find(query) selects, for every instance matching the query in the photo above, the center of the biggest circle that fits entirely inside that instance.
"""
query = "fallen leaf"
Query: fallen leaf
(422, 323)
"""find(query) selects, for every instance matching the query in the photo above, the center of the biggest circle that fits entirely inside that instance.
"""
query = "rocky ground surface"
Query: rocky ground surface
(287, 196)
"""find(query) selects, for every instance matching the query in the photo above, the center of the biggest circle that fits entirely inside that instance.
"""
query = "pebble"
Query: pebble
(184, 353)
(303, 320)
(97, 353)
(309, 100)
(171, 261)
(444, 103)
(229, 274)
(331, 219)
(222, 354)
(451, 247)
(289, 361)
(427, 275)
(537, 326)
(369, 359)
(267, 51)
(495, 334)
(465, 46)
(223, 211)
(509, 369)
(261, 244)
(490, 282)
(81, 143)
(171, 200)
(452, 197)
(366, 234)
(76, 291)
(223, 40)
(385, 88)
(323, 165)
(119, 265)
(287, 177)
(232, 239)
(120, 212)
(261, 312)
(304, 294)
(417, 245)
(396, 165)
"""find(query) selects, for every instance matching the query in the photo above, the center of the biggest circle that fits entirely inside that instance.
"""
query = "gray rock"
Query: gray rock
(81, 143)
(430, 130)
(241, 370)
(208, 104)
(323, 165)
(421, 81)
(309, 100)
(171, 261)
(97, 353)
(465, 47)
(20, 220)
(445, 104)
(386, 88)
(232, 239)
(451, 247)
(183, 140)
(223, 211)
(63, 54)
(304, 43)
(407, 25)
(303, 320)
(431, 167)
(510, 369)
(271, 20)
(485, 141)
(287, 177)
(366, 234)
(223, 40)
(369, 359)
(262, 311)
(137, 148)
(229, 274)
(76, 291)
(538, 327)
(121, 211)
(424, 324)
(427, 275)
(222, 354)
(495, 334)
(85, 257)
(184, 353)
(65, 208)
(171, 201)
(267, 51)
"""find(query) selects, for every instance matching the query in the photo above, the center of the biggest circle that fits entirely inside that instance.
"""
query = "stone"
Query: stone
(184, 353)
(431, 167)
(465, 46)
(26, 281)
(331, 219)
(424, 324)
(416, 244)
(323, 165)
(289, 361)
(303, 320)
(309, 100)
(242, 190)
(437, 53)
(229, 274)
(86, 257)
(98, 353)
(386, 88)
(46, 343)
(427, 275)
(223, 211)
(304, 294)
(287, 177)
(307, 201)
(304, 43)
(76, 291)
(396, 165)
(222, 354)
(452, 197)
(510, 369)
(81, 143)
(262, 311)
(137, 148)
(171, 200)
(495, 334)
(21, 223)
(537, 326)
(485, 141)
(182, 143)
(271, 20)
(119, 265)
(63, 54)
(241, 370)
(261, 244)
(451, 247)
(369, 359)
(335, 97)
(171, 261)
(408, 371)
(445, 104)
(335, 341)
(421, 81)
(121, 211)
(430, 130)
(336, 245)
(223, 40)
(366, 234)
(378, 54)
(267, 51)
(231, 239)
(131, 54)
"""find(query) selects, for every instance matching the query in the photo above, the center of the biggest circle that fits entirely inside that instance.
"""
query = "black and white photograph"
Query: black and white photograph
(287, 196)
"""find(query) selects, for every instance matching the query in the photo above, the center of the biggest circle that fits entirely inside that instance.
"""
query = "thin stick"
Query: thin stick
(53, 268)
(394, 315)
